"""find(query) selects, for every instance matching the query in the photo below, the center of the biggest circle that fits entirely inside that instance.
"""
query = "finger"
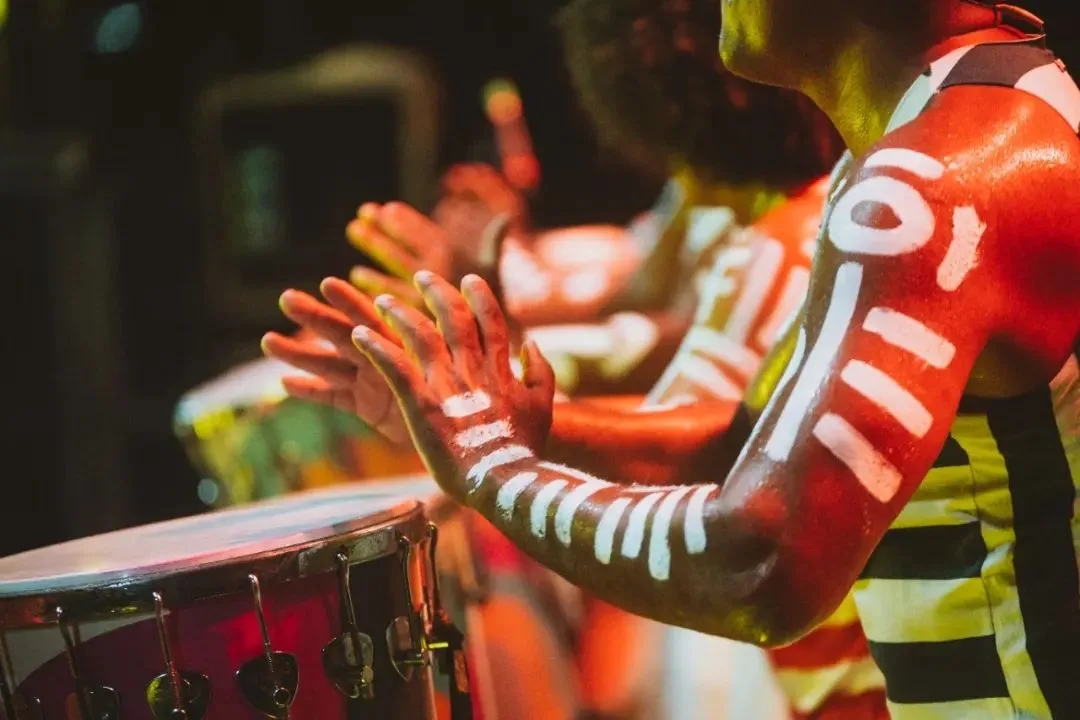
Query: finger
(456, 322)
(419, 336)
(457, 179)
(411, 228)
(489, 318)
(354, 305)
(368, 237)
(400, 373)
(536, 372)
(321, 319)
(309, 357)
(493, 239)
(374, 283)
(315, 389)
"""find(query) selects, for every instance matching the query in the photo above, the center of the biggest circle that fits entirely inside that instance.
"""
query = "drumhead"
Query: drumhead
(194, 542)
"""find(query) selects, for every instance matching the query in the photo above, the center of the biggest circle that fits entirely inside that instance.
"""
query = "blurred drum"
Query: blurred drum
(319, 606)
(251, 441)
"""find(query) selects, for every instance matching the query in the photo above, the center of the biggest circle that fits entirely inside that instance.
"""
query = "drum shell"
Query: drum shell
(215, 636)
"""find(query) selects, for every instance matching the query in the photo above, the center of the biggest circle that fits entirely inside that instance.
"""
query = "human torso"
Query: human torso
(747, 299)
(971, 600)
(625, 351)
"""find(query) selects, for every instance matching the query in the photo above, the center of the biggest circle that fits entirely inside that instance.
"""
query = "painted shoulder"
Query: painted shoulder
(795, 223)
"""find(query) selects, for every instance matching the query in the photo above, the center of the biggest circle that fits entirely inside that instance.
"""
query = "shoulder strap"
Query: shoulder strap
(1026, 66)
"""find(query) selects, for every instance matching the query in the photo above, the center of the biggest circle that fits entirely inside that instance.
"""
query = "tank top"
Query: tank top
(971, 602)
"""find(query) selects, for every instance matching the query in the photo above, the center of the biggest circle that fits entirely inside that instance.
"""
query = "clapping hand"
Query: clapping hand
(343, 377)
(452, 377)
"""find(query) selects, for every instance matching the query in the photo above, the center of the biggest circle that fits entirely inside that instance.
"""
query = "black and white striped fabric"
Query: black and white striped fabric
(971, 602)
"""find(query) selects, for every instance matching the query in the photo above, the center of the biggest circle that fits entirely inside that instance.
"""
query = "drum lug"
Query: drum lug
(22, 707)
(17, 706)
(268, 682)
(349, 658)
(194, 697)
(175, 695)
(406, 637)
(88, 702)
(94, 702)
(449, 641)
(411, 645)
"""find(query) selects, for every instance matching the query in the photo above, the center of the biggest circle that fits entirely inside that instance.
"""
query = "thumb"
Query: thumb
(490, 251)
(536, 372)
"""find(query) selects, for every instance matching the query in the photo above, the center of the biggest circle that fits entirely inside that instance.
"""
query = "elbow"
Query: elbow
(784, 609)
(769, 607)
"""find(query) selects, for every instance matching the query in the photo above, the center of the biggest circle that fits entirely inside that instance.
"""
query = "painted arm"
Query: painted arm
(899, 309)
(742, 338)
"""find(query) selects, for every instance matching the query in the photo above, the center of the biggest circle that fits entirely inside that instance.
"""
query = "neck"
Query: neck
(869, 73)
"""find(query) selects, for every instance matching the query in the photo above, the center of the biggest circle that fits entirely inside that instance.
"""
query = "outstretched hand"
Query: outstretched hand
(343, 377)
(453, 380)
(404, 241)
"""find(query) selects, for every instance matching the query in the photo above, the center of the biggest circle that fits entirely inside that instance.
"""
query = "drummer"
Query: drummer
(844, 679)
(919, 286)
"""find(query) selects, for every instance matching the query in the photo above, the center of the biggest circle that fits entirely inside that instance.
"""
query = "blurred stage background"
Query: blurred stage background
(167, 168)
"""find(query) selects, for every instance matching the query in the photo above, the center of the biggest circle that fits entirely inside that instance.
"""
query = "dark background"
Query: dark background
(105, 240)
(103, 232)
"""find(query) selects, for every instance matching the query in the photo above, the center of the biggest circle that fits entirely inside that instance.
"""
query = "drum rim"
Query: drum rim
(184, 586)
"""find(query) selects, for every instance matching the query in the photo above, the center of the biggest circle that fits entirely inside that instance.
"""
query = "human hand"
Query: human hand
(404, 242)
(453, 381)
(474, 194)
(343, 377)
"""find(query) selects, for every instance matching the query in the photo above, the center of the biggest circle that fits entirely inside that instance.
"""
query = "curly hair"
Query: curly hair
(649, 74)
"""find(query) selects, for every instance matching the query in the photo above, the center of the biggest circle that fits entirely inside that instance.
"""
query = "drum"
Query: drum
(320, 606)
(251, 441)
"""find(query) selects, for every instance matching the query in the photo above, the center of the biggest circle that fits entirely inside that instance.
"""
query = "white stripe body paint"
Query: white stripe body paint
(646, 489)
(660, 537)
(466, 404)
(605, 530)
(481, 435)
(496, 458)
(873, 471)
(634, 337)
(910, 335)
(703, 373)
(963, 252)
(760, 276)
(572, 472)
(785, 379)
(635, 526)
(720, 347)
(510, 491)
(584, 341)
(564, 515)
(791, 298)
(704, 224)
(913, 161)
(880, 389)
(585, 286)
(694, 522)
(911, 209)
(541, 502)
(845, 294)
(675, 401)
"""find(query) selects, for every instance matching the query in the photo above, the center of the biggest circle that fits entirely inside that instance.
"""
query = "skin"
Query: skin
(786, 536)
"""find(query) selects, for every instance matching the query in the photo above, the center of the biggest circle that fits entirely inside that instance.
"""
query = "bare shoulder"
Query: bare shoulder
(978, 198)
